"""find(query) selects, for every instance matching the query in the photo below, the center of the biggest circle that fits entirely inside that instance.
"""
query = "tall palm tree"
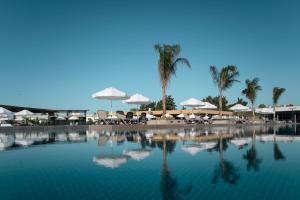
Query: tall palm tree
(250, 92)
(167, 66)
(277, 92)
(224, 79)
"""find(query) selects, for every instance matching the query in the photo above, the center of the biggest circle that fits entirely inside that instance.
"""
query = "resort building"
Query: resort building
(282, 113)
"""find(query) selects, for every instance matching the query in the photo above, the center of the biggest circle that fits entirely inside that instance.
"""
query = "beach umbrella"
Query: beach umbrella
(73, 118)
(192, 102)
(137, 154)
(181, 116)
(149, 116)
(167, 115)
(110, 161)
(239, 108)
(207, 105)
(193, 149)
(192, 116)
(138, 99)
(110, 94)
(5, 114)
(24, 113)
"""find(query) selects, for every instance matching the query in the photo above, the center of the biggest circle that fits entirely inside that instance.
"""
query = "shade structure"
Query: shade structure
(207, 105)
(138, 99)
(192, 102)
(5, 114)
(110, 94)
(239, 108)
(181, 116)
(73, 118)
(110, 161)
(193, 149)
(24, 113)
(137, 154)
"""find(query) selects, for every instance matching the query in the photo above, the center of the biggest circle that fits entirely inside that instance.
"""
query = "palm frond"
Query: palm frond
(277, 92)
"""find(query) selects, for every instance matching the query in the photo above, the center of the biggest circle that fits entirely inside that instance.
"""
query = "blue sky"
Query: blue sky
(55, 54)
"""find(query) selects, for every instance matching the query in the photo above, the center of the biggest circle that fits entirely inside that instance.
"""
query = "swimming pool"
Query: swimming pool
(258, 162)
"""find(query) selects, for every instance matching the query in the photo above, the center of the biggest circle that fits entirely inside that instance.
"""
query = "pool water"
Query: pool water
(259, 163)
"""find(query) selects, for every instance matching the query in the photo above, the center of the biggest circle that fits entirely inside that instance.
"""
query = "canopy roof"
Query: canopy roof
(192, 102)
(239, 108)
(138, 99)
(24, 113)
(110, 94)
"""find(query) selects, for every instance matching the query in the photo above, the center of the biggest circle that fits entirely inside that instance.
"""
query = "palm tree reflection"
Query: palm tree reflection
(168, 184)
(225, 170)
(251, 156)
(278, 155)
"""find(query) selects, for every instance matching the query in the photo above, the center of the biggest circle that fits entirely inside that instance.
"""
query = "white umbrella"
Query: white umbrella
(208, 105)
(138, 99)
(193, 149)
(111, 161)
(239, 108)
(5, 114)
(192, 116)
(73, 118)
(149, 116)
(24, 113)
(110, 94)
(137, 154)
(181, 116)
(167, 115)
(192, 102)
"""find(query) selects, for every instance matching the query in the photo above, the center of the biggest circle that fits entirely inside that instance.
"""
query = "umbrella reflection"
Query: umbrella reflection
(137, 154)
(6, 141)
(110, 161)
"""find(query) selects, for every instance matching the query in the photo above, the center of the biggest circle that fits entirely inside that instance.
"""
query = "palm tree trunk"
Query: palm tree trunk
(253, 111)
(164, 99)
(274, 114)
(220, 102)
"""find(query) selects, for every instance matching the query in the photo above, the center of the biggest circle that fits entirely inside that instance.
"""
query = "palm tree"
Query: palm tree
(167, 66)
(277, 92)
(224, 79)
(250, 92)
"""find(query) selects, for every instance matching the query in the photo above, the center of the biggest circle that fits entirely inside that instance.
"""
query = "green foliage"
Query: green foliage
(167, 66)
(225, 78)
(262, 106)
(215, 101)
(277, 92)
(239, 101)
(252, 87)
(146, 107)
(170, 104)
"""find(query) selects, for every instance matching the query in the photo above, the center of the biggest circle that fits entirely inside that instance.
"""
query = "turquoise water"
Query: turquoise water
(129, 165)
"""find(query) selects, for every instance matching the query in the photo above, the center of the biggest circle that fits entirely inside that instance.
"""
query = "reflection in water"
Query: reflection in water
(168, 184)
(225, 170)
(278, 155)
(251, 156)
